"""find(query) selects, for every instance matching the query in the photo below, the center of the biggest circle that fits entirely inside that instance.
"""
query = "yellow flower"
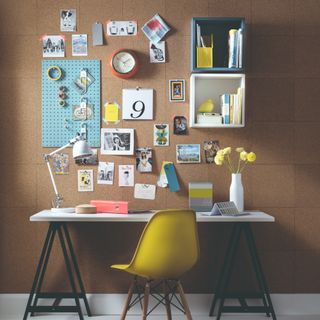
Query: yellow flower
(251, 157)
(240, 149)
(226, 150)
(220, 152)
(243, 155)
(219, 160)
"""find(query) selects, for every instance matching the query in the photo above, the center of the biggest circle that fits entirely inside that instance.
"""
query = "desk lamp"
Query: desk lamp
(80, 150)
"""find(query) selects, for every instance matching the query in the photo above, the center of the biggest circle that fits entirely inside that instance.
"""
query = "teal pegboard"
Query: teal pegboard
(57, 124)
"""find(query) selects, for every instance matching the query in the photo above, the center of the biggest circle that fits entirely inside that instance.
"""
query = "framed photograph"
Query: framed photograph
(157, 52)
(161, 135)
(144, 160)
(105, 173)
(79, 45)
(177, 90)
(137, 104)
(126, 175)
(85, 180)
(180, 125)
(117, 141)
(210, 150)
(53, 46)
(68, 20)
(188, 153)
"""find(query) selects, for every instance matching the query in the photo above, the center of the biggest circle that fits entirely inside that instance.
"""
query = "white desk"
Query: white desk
(58, 225)
(48, 216)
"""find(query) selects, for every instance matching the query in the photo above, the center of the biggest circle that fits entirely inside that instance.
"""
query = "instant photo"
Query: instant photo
(144, 160)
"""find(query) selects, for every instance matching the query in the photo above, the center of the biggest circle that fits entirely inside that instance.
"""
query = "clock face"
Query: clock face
(123, 62)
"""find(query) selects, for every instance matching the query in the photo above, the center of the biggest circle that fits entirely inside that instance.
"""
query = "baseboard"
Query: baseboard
(111, 304)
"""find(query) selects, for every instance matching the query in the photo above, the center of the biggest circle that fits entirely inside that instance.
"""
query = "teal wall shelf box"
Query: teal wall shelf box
(218, 27)
(58, 124)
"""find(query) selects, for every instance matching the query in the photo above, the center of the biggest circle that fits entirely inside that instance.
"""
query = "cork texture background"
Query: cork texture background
(282, 126)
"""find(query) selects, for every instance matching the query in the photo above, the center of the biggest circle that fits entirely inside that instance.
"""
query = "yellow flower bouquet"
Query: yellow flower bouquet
(223, 156)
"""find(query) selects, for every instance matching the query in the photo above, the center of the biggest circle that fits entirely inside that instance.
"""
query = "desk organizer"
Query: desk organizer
(58, 126)
(105, 206)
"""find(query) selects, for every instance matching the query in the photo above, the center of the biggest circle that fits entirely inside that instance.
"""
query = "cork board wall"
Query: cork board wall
(282, 126)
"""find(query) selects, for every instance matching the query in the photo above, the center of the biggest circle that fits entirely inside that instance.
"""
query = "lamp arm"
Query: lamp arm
(69, 144)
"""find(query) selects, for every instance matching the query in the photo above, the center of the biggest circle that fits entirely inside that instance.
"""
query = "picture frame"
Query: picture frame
(188, 153)
(116, 141)
(177, 90)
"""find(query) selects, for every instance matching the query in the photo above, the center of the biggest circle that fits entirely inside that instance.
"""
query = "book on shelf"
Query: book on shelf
(231, 107)
(235, 48)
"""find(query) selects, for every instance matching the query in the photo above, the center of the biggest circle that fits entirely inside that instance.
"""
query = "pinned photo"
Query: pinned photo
(89, 161)
(79, 45)
(180, 125)
(105, 173)
(176, 90)
(126, 175)
(155, 29)
(60, 163)
(122, 28)
(117, 141)
(85, 180)
(161, 135)
(157, 52)
(210, 150)
(144, 160)
(68, 20)
(53, 46)
(188, 153)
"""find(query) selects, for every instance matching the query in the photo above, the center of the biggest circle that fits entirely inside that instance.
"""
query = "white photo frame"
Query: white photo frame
(116, 141)
(137, 104)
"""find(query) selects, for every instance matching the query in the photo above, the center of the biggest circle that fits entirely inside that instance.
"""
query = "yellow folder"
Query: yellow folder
(205, 56)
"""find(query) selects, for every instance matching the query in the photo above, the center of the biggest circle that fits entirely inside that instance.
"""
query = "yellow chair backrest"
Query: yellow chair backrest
(168, 246)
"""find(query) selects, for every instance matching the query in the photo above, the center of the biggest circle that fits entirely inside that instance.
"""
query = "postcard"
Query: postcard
(79, 45)
(85, 180)
(144, 191)
(126, 175)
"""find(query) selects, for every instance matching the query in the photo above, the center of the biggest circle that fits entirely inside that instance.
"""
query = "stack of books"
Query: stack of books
(231, 107)
(235, 48)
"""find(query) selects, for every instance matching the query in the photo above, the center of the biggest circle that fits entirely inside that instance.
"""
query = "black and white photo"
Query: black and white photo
(68, 20)
(157, 52)
(117, 141)
(53, 46)
(105, 173)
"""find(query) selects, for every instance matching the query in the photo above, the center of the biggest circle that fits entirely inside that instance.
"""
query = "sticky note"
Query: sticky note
(111, 112)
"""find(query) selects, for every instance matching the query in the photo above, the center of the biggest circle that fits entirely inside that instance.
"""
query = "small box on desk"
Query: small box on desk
(201, 196)
(106, 206)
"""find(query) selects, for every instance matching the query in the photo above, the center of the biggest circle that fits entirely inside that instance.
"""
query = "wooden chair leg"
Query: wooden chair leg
(166, 292)
(129, 297)
(146, 301)
(184, 301)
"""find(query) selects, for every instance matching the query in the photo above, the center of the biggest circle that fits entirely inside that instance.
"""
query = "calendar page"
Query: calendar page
(137, 104)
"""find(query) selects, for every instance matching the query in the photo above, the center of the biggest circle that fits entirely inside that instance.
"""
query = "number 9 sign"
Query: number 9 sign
(137, 104)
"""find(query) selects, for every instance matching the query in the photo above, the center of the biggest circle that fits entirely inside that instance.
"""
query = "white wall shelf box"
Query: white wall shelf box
(205, 86)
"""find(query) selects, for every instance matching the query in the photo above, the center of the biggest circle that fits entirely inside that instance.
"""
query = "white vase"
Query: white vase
(236, 191)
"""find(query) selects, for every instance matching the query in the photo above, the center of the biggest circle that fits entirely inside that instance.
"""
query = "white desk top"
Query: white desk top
(48, 216)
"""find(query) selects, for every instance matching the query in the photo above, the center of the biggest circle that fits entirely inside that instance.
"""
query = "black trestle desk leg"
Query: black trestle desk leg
(45, 264)
(70, 274)
(223, 270)
(229, 268)
(76, 268)
(38, 271)
(258, 269)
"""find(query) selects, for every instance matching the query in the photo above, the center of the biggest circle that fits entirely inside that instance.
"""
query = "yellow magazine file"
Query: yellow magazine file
(205, 56)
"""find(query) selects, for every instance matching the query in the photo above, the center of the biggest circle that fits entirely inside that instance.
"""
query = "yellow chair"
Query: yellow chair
(168, 247)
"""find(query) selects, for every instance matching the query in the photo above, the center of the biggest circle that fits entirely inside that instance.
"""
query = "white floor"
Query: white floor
(163, 317)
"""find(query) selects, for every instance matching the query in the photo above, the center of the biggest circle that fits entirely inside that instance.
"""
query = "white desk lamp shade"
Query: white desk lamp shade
(81, 149)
